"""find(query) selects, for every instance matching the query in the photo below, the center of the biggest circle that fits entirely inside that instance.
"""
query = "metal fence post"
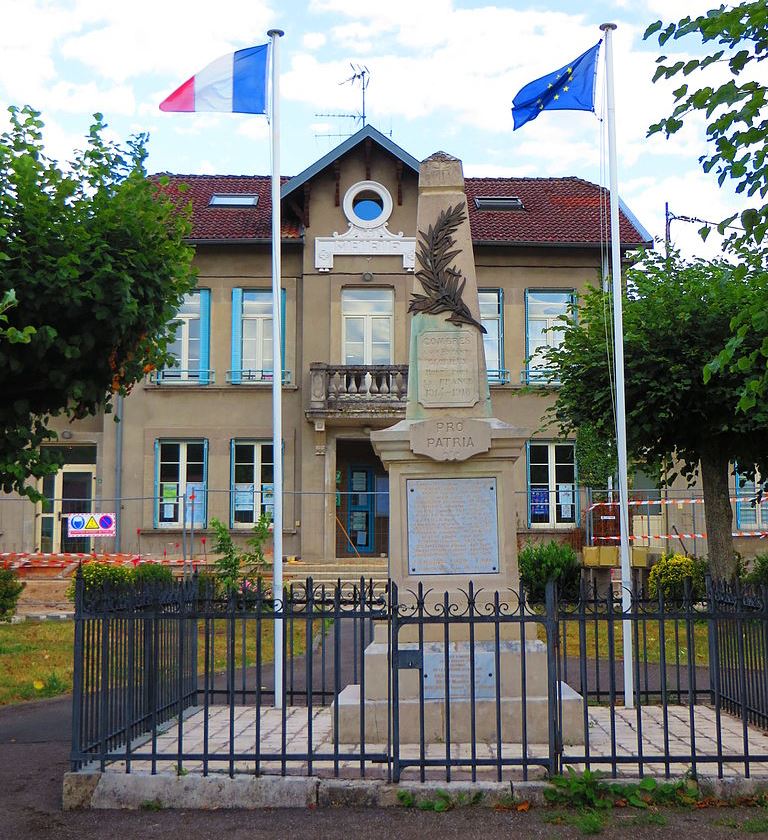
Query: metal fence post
(553, 637)
(395, 706)
(77, 676)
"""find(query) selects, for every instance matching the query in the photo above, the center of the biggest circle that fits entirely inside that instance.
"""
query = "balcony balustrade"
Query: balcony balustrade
(357, 389)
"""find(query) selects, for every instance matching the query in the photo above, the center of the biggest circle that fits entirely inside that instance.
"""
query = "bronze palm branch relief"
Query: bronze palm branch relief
(442, 282)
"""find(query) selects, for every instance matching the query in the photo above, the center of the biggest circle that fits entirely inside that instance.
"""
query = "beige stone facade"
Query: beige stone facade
(347, 279)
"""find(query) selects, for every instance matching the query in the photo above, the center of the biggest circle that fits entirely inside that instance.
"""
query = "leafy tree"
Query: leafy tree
(95, 251)
(675, 313)
(737, 130)
(736, 109)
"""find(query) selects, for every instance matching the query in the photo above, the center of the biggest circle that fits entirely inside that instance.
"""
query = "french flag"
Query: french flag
(234, 83)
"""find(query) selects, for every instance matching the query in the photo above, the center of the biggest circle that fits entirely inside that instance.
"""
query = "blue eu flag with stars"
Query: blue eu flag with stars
(571, 88)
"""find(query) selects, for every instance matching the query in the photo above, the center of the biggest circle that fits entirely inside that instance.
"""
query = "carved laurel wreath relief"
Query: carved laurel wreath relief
(442, 282)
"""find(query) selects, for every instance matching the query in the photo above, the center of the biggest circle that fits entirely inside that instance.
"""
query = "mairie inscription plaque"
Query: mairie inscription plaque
(452, 526)
(448, 374)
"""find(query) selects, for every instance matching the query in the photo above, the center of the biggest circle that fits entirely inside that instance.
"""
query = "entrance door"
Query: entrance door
(69, 491)
(360, 510)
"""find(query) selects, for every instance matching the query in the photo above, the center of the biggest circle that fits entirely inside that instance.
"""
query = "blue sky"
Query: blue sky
(443, 74)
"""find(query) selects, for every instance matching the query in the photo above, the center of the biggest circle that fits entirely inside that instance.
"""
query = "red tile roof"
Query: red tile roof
(557, 211)
(231, 223)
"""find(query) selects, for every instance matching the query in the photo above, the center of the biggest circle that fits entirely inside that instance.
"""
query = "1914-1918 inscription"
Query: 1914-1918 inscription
(452, 526)
(448, 375)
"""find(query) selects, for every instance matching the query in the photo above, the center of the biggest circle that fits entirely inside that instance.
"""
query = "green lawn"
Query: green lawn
(650, 648)
(36, 657)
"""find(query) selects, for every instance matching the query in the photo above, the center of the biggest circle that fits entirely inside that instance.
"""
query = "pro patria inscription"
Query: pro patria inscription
(452, 526)
(450, 439)
(448, 373)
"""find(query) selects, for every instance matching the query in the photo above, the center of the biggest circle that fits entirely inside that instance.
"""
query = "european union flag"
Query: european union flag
(571, 88)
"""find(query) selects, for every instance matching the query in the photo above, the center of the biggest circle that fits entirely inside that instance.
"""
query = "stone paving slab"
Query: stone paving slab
(289, 732)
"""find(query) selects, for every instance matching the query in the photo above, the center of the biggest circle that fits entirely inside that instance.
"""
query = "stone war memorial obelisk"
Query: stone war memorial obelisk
(452, 509)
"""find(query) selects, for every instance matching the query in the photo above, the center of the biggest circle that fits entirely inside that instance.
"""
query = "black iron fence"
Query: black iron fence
(377, 681)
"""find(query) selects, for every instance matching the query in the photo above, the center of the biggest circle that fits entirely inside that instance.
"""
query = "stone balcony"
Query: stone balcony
(352, 392)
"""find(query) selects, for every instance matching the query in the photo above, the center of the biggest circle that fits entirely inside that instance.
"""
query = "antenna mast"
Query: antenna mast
(360, 74)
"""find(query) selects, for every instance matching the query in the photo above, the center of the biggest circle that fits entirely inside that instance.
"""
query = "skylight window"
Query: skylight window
(499, 202)
(233, 200)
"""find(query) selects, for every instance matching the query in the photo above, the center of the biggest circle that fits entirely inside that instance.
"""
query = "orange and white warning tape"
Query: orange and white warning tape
(39, 560)
(645, 502)
(703, 536)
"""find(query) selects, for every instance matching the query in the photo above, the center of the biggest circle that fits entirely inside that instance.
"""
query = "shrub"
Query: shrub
(96, 573)
(10, 589)
(234, 566)
(542, 562)
(151, 574)
(758, 573)
(669, 573)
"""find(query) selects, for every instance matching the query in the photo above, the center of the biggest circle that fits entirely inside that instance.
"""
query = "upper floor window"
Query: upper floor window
(190, 347)
(252, 490)
(552, 496)
(367, 326)
(492, 318)
(181, 475)
(252, 336)
(543, 328)
(751, 515)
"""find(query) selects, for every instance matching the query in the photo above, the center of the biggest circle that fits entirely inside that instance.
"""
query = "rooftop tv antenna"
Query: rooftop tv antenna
(362, 75)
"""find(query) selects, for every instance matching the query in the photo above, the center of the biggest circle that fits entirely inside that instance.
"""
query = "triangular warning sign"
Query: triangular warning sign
(91, 524)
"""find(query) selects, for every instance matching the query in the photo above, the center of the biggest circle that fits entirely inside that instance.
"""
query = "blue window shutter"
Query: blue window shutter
(502, 366)
(738, 498)
(205, 336)
(205, 484)
(156, 492)
(528, 474)
(237, 336)
(576, 494)
(232, 483)
(525, 361)
(282, 329)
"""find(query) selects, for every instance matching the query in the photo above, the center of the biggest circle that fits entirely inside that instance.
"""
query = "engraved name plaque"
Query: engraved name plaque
(452, 526)
(448, 375)
(459, 671)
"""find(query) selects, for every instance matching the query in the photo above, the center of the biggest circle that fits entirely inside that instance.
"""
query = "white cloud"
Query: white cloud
(126, 40)
(255, 128)
(313, 40)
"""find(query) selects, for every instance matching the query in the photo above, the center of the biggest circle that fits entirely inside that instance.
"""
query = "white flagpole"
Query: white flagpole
(277, 364)
(618, 341)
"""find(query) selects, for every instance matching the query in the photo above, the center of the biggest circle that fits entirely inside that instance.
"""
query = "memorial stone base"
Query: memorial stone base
(377, 705)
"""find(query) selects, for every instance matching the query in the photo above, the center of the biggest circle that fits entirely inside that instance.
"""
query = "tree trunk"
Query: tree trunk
(718, 514)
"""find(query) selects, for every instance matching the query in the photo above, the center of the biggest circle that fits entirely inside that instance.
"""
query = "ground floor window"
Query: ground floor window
(252, 487)
(181, 473)
(751, 512)
(552, 495)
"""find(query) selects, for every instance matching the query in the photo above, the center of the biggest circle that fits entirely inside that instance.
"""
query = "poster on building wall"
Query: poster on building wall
(539, 501)
(243, 497)
(565, 499)
(268, 498)
(169, 494)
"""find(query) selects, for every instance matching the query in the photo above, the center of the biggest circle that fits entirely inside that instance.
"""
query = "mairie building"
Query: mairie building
(203, 428)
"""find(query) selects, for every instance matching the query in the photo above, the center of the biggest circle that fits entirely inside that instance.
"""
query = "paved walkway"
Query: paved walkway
(297, 745)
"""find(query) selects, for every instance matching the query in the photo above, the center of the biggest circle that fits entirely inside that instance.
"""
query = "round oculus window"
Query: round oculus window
(367, 204)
